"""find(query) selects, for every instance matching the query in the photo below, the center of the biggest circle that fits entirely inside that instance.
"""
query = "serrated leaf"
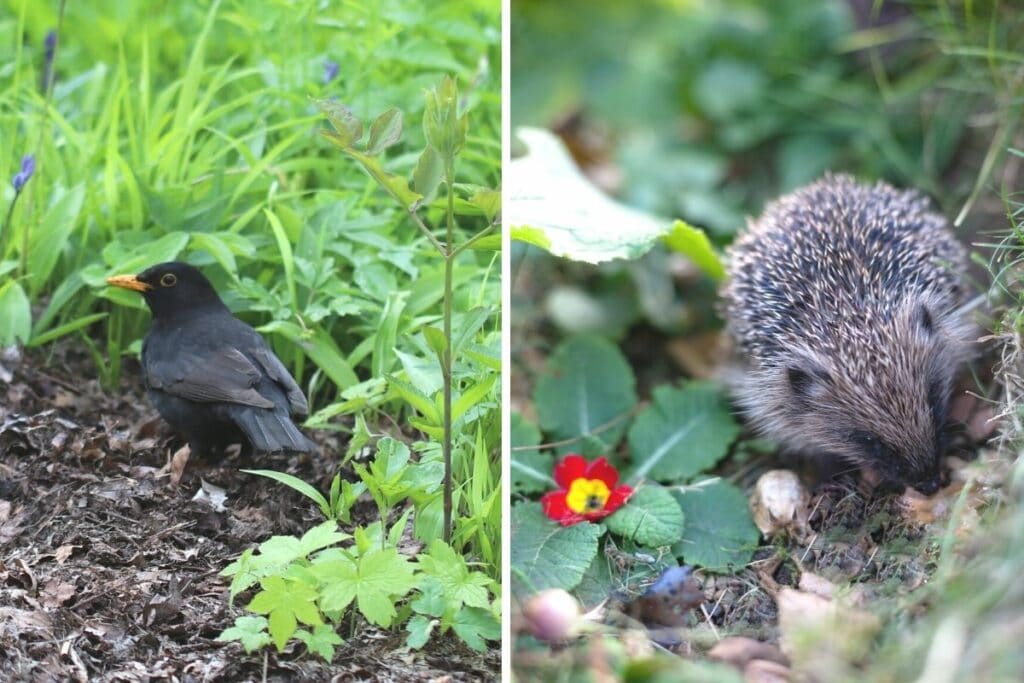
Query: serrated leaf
(460, 585)
(419, 629)
(249, 631)
(530, 469)
(348, 126)
(546, 554)
(651, 518)
(321, 640)
(718, 533)
(682, 433)
(551, 204)
(380, 578)
(585, 385)
(385, 131)
(475, 625)
(694, 244)
(321, 536)
(285, 603)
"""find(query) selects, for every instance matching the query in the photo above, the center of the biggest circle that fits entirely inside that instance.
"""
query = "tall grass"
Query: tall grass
(190, 133)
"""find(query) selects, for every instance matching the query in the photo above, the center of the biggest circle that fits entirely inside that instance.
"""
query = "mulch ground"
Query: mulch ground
(109, 572)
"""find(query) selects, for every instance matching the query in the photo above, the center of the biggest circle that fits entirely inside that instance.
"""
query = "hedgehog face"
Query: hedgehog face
(877, 398)
(885, 408)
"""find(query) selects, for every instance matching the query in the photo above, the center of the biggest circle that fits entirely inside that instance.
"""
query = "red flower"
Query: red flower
(587, 492)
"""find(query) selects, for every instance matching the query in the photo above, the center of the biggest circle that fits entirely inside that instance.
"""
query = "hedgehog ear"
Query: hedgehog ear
(923, 318)
(808, 381)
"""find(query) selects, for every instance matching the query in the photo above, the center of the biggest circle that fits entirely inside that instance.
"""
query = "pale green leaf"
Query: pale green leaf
(552, 205)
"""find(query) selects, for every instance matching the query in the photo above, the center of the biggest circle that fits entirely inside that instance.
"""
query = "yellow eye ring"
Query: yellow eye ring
(168, 280)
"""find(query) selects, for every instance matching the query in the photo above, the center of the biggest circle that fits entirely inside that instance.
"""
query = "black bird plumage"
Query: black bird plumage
(211, 376)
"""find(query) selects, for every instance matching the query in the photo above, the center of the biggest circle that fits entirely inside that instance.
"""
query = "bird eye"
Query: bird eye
(168, 280)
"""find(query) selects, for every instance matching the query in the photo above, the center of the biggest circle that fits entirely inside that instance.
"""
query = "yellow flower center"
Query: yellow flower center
(587, 495)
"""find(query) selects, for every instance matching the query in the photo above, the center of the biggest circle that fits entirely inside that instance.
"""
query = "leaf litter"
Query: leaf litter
(110, 546)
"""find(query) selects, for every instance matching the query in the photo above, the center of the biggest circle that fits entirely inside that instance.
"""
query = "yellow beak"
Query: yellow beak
(128, 282)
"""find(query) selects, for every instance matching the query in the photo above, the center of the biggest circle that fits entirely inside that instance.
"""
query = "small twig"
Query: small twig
(707, 617)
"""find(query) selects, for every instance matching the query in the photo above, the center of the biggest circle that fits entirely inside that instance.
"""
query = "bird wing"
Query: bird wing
(276, 370)
(226, 375)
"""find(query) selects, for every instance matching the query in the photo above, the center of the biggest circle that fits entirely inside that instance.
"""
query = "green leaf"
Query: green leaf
(460, 585)
(488, 201)
(552, 205)
(546, 554)
(249, 631)
(322, 535)
(416, 399)
(472, 396)
(419, 629)
(47, 239)
(382, 578)
(424, 373)
(682, 433)
(349, 128)
(586, 384)
(530, 469)
(474, 625)
(718, 534)
(435, 340)
(321, 640)
(396, 186)
(16, 313)
(286, 603)
(218, 248)
(652, 518)
(694, 244)
(428, 172)
(385, 131)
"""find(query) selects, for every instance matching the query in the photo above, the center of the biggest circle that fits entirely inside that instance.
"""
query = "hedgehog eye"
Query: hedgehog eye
(924, 319)
(869, 443)
(168, 279)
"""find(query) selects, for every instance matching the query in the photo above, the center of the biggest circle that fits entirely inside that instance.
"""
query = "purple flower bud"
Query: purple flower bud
(50, 44)
(28, 167)
(331, 70)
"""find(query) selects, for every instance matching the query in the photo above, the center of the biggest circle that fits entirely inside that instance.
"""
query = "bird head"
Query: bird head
(170, 288)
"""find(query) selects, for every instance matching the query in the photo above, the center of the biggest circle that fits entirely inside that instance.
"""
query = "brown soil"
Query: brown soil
(109, 572)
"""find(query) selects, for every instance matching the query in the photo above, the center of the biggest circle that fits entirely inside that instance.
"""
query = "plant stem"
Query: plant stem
(474, 239)
(446, 365)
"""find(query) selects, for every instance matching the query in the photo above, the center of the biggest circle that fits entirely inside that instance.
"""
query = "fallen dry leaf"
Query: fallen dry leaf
(699, 355)
(740, 650)
(62, 553)
(54, 593)
(765, 671)
(815, 631)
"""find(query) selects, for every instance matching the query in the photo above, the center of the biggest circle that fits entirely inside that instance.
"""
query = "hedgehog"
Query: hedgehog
(845, 303)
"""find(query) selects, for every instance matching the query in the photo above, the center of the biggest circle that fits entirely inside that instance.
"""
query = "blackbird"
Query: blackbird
(210, 376)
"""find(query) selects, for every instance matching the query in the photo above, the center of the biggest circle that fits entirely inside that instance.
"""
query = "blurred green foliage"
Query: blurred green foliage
(712, 107)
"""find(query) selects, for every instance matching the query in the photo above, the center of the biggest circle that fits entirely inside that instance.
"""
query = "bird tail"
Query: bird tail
(271, 431)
